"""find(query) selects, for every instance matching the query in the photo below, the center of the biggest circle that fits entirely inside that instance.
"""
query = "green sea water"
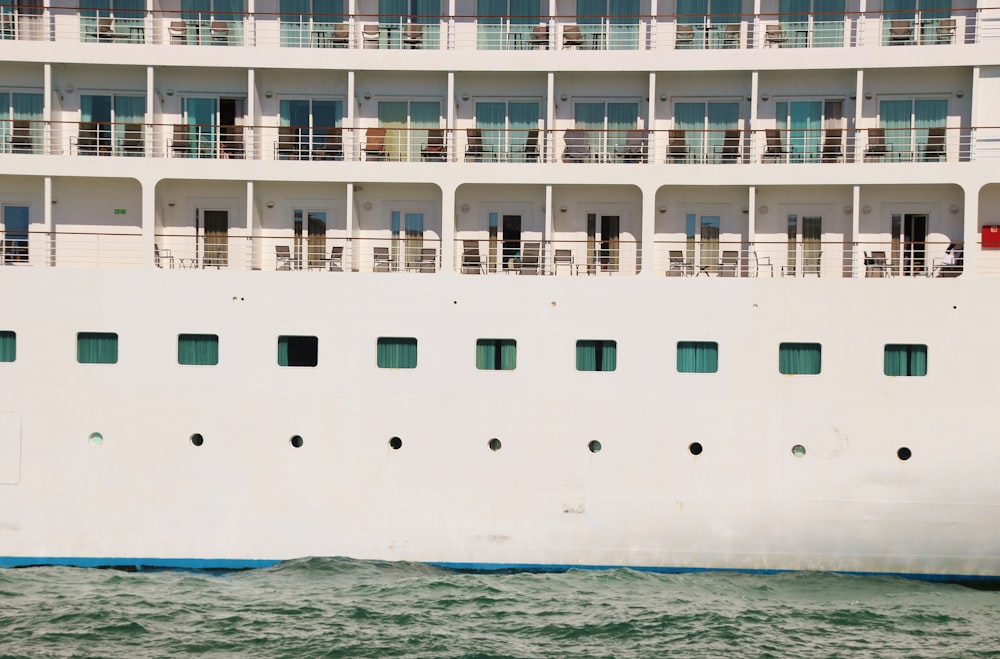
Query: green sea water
(346, 608)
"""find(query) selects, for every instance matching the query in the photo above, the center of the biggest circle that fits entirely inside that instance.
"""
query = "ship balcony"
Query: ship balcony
(874, 145)
(563, 32)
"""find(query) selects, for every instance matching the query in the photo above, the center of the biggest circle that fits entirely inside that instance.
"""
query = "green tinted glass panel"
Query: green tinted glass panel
(298, 351)
(596, 355)
(496, 354)
(97, 348)
(799, 358)
(905, 360)
(697, 357)
(198, 349)
(8, 346)
(394, 352)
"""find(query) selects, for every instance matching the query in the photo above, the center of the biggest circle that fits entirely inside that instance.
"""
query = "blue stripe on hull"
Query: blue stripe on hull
(246, 564)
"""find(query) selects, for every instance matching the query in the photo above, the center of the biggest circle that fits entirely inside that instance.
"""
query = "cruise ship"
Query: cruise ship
(671, 285)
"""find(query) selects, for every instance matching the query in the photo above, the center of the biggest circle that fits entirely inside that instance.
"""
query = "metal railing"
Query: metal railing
(959, 25)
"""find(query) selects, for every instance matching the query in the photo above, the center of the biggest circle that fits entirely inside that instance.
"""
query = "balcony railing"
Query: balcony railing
(460, 32)
(488, 145)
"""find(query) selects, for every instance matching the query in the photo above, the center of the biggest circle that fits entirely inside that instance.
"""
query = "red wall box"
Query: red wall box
(991, 236)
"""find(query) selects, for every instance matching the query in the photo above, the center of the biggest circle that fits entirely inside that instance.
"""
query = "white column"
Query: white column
(47, 108)
(351, 148)
(448, 230)
(47, 221)
(253, 104)
(550, 116)
(756, 149)
(647, 231)
(970, 228)
(450, 140)
(248, 235)
(855, 227)
(349, 224)
(148, 185)
(549, 234)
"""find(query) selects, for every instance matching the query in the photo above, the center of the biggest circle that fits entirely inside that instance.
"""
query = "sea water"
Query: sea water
(346, 608)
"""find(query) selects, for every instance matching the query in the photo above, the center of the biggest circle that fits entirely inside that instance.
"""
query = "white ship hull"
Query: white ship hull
(147, 496)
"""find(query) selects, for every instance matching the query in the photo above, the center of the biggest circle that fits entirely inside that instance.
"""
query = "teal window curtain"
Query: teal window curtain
(196, 10)
(294, 23)
(928, 113)
(828, 23)
(327, 114)
(622, 117)
(423, 115)
(935, 8)
(721, 117)
(394, 352)
(298, 351)
(293, 112)
(690, 117)
(726, 11)
(496, 354)
(692, 11)
(95, 108)
(491, 119)
(623, 24)
(697, 357)
(894, 116)
(590, 117)
(198, 349)
(905, 360)
(427, 12)
(799, 358)
(8, 346)
(794, 17)
(128, 110)
(5, 117)
(490, 16)
(27, 106)
(232, 11)
(805, 136)
(201, 113)
(523, 116)
(393, 12)
(97, 348)
(596, 355)
(392, 115)
(328, 11)
(95, 8)
(525, 12)
(899, 9)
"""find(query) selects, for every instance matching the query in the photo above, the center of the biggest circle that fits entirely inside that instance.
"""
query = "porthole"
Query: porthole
(197, 439)
(395, 443)
(695, 448)
(96, 439)
(296, 441)
(798, 450)
(594, 446)
(494, 444)
(904, 453)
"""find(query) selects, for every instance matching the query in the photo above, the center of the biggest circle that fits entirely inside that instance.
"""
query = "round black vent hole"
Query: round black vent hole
(494, 444)
(296, 441)
(695, 448)
(594, 446)
(395, 443)
(904, 453)
(197, 439)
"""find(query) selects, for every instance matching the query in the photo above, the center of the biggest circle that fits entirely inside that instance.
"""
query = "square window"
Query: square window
(799, 358)
(298, 351)
(198, 349)
(596, 355)
(395, 352)
(697, 357)
(97, 348)
(905, 360)
(8, 346)
(496, 354)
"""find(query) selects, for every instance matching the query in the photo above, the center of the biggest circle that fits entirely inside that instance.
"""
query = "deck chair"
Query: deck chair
(133, 142)
(289, 144)
(685, 36)
(530, 153)
(945, 32)
(371, 35)
(572, 37)
(876, 148)
(413, 35)
(106, 30)
(833, 145)
(340, 35)
(900, 32)
(435, 149)
(381, 261)
(231, 141)
(635, 148)
(539, 37)
(86, 141)
(161, 255)
(934, 149)
(180, 145)
(876, 265)
(775, 150)
(730, 146)
(178, 32)
(577, 149)
(375, 144)
(471, 263)
(336, 260)
(21, 140)
(282, 258)
(775, 36)
(328, 143)
(220, 32)
(530, 259)
(562, 257)
(731, 36)
(474, 145)
(729, 263)
(761, 262)
(678, 266)
(428, 260)
(677, 150)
